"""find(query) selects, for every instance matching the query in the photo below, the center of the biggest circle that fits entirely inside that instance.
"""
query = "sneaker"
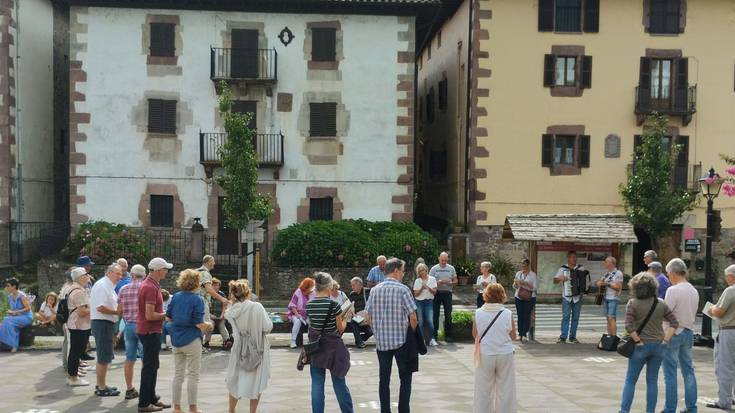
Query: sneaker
(293, 344)
(106, 392)
(361, 345)
(76, 382)
(86, 357)
(716, 405)
(433, 343)
(131, 394)
(561, 340)
(164, 347)
(574, 341)
(150, 408)
(162, 405)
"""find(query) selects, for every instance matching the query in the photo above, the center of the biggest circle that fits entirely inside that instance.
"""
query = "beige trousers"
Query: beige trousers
(187, 360)
(495, 385)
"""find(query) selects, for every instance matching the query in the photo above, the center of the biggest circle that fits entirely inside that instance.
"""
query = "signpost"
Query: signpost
(251, 235)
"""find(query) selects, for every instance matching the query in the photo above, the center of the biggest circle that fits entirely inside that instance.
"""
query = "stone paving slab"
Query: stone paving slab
(550, 378)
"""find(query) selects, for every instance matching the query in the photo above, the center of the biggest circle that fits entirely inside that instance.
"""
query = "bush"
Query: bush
(351, 243)
(464, 266)
(503, 268)
(463, 319)
(104, 242)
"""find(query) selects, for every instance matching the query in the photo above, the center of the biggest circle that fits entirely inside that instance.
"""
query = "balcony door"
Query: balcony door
(661, 84)
(249, 106)
(226, 237)
(244, 60)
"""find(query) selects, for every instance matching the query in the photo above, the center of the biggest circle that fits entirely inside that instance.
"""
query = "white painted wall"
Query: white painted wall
(117, 168)
(34, 117)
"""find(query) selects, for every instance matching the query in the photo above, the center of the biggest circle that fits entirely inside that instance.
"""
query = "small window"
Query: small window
(323, 119)
(568, 16)
(438, 164)
(564, 150)
(163, 39)
(566, 67)
(161, 116)
(430, 106)
(320, 209)
(664, 16)
(443, 86)
(323, 44)
(162, 211)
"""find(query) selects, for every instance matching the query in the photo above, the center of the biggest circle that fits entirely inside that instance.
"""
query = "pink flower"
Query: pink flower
(729, 189)
(731, 170)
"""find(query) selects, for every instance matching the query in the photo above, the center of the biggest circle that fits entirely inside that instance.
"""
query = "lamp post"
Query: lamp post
(710, 185)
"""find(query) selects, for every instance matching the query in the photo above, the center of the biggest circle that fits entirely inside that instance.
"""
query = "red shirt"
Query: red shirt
(149, 293)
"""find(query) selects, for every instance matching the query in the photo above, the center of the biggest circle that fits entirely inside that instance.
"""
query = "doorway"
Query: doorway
(244, 62)
(644, 244)
(226, 237)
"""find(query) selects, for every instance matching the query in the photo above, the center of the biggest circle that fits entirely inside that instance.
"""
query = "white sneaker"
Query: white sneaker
(293, 344)
(433, 343)
(75, 382)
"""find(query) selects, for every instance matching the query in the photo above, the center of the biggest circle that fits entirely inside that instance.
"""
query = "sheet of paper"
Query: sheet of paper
(358, 319)
(707, 310)
(346, 306)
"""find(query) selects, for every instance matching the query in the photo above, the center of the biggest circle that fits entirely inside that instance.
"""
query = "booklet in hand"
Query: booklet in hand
(346, 306)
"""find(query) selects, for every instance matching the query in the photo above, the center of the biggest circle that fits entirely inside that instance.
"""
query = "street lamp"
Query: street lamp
(710, 185)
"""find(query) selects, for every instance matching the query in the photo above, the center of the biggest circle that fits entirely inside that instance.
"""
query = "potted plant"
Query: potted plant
(465, 270)
(462, 325)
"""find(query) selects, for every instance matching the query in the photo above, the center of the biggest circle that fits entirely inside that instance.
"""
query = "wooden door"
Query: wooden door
(244, 62)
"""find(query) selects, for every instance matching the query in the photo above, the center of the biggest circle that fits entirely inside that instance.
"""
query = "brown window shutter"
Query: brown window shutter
(586, 72)
(323, 119)
(169, 116)
(644, 84)
(315, 120)
(547, 150)
(549, 69)
(682, 158)
(155, 115)
(323, 44)
(330, 118)
(163, 39)
(592, 16)
(584, 151)
(682, 84)
(546, 15)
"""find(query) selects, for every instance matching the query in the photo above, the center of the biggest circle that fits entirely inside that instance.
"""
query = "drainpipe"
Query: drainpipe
(18, 136)
(468, 120)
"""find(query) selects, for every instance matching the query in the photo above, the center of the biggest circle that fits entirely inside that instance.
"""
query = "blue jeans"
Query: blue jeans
(679, 352)
(425, 314)
(570, 309)
(133, 346)
(651, 356)
(340, 390)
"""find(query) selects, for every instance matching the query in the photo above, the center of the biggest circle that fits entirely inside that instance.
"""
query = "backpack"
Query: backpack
(62, 311)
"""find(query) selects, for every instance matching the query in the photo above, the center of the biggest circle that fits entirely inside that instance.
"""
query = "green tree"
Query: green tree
(652, 202)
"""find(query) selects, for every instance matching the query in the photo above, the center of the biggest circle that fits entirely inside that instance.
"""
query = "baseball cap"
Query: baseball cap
(159, 263)
(84, 260)
(77, 273)
(655, 265)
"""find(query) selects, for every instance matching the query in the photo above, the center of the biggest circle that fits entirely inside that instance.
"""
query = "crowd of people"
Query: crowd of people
(404, 321)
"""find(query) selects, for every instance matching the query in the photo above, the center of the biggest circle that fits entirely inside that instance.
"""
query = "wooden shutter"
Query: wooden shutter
(169, 116)
(323, 119)
(547, 150)
(549, 70)
(155, 115)
(586, 72)
(592, 16)
(323, 44)
(644, 85)
(546, 15)
(163, 39)
(162, 210)
(681, 164)
(682, 84)
(584, 151)
(321, 209)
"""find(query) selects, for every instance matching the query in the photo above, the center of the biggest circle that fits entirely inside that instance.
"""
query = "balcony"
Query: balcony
(681, 102)
(268, 148)
(246, 65)
(685, 177)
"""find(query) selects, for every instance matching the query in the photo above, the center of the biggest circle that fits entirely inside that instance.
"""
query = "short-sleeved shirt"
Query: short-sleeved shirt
(77, 297)
(359, 299)
(340, 298)
(530, 277)
(445, 273)
(317, 310)
(727, 304)
(683, 300)
(376, 275)
(663, 285)
(103, 294)
(389, 306)
(614, 276)
(497, 341)
(128, 297)
(425, 294)
(149, 293)
(185, 310)
(216, 306)
(483, 282)
(564, 270)
(47, 310)
(205, 277)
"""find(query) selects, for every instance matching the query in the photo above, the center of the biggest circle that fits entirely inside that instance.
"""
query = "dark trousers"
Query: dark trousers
(443, 298)
(524, 310)
(77, 345)
(361, 333)
(385, 361)
(149, 372)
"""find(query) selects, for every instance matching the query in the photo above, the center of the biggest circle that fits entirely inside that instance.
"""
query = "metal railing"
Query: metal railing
(680, 102)
(685, 177)
(268, 147)
(243, 64)
(29, 241)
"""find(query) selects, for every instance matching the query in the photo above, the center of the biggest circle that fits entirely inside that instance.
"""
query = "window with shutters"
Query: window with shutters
(681, 170)
(162, 211)
(443, 86)
(664, 16)
(661, 83)
(664, 86)
(569, 16)
(566, 68)
(162, 116)
(163, 39)
(323, 119)
(565, 154)
(567, 73)
(323, 44)
(321, 209)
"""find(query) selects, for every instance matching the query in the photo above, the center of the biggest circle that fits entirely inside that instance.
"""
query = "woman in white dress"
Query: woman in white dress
(248, 319)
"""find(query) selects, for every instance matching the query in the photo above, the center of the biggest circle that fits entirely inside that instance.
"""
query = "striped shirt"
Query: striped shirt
(128, 297)
(317, 310)
(389, 306)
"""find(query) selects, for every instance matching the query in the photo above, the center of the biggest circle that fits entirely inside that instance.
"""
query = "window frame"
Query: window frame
(313, 208)
(156, 218)
(326, 52)
(321, 110)
(166, 108)
(566, 82)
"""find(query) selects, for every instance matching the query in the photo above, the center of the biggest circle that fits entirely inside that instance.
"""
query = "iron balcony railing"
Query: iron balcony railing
(685, 177)
(681, 101)
(268, 147)
(243, 64)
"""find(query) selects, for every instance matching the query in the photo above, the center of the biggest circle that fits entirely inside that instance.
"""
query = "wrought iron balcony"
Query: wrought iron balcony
(680, 102)
(684, 177)
(253, 65)
(268, 148)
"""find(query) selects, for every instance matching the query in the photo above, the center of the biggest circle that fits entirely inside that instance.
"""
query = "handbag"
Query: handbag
(313, 347)
(524, 294)
(608, 343)
(626, 347)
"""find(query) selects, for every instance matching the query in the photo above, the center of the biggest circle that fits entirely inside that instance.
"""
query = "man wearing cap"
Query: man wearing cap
(128, 302)
(150, 322)
(724, 355)
(104, 312)
(656, 269)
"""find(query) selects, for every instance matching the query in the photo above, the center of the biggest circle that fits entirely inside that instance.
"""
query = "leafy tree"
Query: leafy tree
(652, 202)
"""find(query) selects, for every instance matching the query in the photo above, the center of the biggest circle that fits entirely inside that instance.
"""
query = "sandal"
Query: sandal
(106, 392)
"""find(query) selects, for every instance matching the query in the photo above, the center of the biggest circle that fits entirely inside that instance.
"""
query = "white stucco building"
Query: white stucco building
(331, 84)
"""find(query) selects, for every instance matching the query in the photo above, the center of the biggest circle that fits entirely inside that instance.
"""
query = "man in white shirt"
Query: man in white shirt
(446, 278)
(612, 282)
(683, 300)
(571, 300)
(104, 313)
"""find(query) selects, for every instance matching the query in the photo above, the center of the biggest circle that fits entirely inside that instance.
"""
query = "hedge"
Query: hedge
(104, 242)
(351, 243)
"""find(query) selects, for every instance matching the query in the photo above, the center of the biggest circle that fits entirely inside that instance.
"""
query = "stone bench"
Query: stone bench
(28, 334)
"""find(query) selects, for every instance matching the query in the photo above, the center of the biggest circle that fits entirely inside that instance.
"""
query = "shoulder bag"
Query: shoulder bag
(627, 345)
(311, 348)
(524, 294)
(477, 341)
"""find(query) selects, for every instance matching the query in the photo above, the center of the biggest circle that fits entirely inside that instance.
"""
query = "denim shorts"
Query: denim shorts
(133, 347)
(610, 307)
(103, 331)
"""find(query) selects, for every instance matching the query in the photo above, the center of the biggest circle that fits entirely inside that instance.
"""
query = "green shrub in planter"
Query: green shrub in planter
(503, 268)
(462, 325)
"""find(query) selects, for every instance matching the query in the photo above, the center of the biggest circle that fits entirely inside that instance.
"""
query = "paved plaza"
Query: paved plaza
(550, 378)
